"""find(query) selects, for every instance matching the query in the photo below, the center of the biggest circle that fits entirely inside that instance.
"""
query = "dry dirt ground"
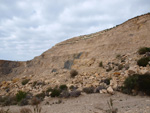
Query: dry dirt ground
(94, 103)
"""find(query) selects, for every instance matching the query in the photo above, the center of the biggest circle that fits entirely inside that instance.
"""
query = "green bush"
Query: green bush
(143, 50)
(24, 82)
(143, 61)
(106, 81)
(131, 82)
(20, 95)
(73, 73)
(101, 64)
(49, 89)
(63, 87)
(88, 90)
(55, 92)
(137, 82)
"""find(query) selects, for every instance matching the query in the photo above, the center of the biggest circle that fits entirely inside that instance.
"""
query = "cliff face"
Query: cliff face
(84, 53)
(9, 68)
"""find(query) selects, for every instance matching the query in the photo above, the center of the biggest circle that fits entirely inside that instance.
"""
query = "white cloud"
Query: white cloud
(28, 28)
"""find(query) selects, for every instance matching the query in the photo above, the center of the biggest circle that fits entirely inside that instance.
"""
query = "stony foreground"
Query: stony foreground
(94, 103)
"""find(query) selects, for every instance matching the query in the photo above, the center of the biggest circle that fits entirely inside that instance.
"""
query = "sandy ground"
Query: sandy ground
(94, 103)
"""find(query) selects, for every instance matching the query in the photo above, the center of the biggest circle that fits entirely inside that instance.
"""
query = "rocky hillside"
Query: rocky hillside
(111, 53)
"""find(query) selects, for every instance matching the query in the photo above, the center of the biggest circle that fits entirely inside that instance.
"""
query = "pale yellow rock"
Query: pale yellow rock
(110, 90)
(103, 91)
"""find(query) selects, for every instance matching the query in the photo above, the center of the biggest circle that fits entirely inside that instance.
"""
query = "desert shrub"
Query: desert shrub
(55, 92)
(24, 82)
(4, 111)
(37, 109)
(25, 110)
(35, 101)
(111, 107)
(63, 87)
(40, 96)
(73, 73)
(143, 61)
(106, 81)
(101, 64)
(34, 83)
(131, 82)
(8, 100)
(143, 50)
(23, 102)
(75, 93)
(88, 90)
(118, 56)
(73, 88)
(144, 83)
(49, 89)
(20, 95)
(138, 83)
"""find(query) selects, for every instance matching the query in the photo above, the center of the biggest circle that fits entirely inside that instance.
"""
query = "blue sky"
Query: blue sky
(30, 27)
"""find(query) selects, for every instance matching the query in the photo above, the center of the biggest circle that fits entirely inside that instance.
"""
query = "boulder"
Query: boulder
(103, 91)
(132, 70)
(110, 90)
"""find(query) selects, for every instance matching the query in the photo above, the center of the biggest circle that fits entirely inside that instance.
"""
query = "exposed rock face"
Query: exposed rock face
(84, 53)
(9, 67)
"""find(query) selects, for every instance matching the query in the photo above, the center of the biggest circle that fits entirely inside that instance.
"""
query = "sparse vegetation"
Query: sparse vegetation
(34, 83)
(73, 73)
(137, 82)
(20, 95)
(144, 61)
(4, 111)
(111, 107)
(35, 101)
(55, 92)
(88, 90)
(40, 96)
(72, 88)
(24, 82)
(118, 56)
(63, 87)
(8, 100)
(49, 89)
(106, 81)
(101, 64)
(143, 50)
(23, 102)
(25, 110)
